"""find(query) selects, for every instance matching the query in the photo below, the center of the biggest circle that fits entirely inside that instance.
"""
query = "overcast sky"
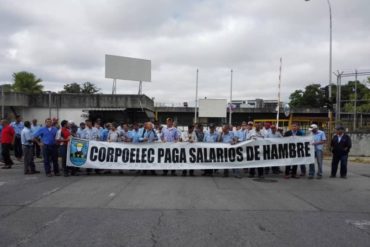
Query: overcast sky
(65, 41)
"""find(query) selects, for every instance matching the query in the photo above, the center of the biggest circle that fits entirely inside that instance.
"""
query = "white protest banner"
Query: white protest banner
(181, 155)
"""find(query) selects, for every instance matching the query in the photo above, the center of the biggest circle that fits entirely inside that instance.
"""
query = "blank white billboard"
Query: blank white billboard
(127, 68)
(212, 108)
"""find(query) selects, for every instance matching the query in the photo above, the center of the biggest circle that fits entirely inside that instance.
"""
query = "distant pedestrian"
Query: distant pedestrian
(210, 136)
(340, 146)
(63, 137)
(36, 148)
(227, 136)
(256, 134)
(169, 134)
(291, 171)
(47, 134)
(190, 137)
(18, 127)
(27, 143)
(7, 140)
(319, 141)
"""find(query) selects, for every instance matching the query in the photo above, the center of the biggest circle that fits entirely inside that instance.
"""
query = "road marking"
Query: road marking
(50, 191)
(361, 224)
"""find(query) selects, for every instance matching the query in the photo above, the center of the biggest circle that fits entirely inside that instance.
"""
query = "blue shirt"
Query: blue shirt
(35, 128)
(211, 137)
(104, 135)
(150, 135)
(18, 127)
(90, 134)
(241, 135)
(227, 138)
(136, 135)
(318, 137)
(26, 137)
(80, 132)
(170, 134)
(47, 135)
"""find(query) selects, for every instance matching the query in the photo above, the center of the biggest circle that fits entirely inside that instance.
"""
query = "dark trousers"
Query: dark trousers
(18, 152)
(252, 171)
(303, 169)
(173, 172)
(5, 151)
(29, 165)
(291, 170)
(50, 153)
(36, 150)
(343, 165)
(191, 172)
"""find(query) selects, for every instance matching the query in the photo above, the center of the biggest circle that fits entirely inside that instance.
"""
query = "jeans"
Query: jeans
(319, 155)
(236, 172)
(50, 153)
(343, 165)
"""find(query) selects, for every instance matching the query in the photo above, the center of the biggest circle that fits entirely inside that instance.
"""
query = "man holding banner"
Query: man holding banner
(292, 170)
(169, 134)
(190, 137)
(227, 136)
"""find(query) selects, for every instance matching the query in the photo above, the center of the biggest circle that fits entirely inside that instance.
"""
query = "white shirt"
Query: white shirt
(187, 137)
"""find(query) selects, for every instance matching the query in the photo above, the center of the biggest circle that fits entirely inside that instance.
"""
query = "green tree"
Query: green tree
(313, 96)
(72, 88)
(85, 88)
(363, 96)
(26, 82)
(89, 88)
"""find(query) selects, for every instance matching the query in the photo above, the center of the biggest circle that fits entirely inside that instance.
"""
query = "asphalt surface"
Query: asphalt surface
(131, 210)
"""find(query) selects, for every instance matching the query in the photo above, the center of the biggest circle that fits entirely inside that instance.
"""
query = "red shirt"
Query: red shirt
(7, 135)
(65, 133)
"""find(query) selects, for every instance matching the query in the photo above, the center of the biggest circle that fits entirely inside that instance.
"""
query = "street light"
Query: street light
(330, 51)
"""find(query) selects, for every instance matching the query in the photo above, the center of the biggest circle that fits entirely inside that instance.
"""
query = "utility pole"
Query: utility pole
(231, 98)
(196, 96)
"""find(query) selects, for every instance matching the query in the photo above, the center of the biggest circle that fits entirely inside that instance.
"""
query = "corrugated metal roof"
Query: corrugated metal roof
(104, 109)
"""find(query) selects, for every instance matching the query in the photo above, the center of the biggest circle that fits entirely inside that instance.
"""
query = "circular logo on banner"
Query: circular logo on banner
(78, 152)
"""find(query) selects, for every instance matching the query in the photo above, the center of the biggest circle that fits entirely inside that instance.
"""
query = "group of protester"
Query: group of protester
(29, 139)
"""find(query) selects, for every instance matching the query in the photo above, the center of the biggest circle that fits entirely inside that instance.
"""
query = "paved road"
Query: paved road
(129, 210)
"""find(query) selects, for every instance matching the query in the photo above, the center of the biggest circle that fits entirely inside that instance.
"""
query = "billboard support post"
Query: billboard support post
(196, 97)
(231, 98)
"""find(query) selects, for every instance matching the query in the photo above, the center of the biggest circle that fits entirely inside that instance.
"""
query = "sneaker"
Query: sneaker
(343, 177)
(319, 177)
(310, 177)
(49, 175)
(332, 176)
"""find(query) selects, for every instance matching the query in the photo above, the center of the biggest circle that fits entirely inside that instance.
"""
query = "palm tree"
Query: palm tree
(26, 82)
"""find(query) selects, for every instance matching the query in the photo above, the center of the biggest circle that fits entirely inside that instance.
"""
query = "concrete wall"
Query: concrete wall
(360, 144)
(41, 114)
(78, 101)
